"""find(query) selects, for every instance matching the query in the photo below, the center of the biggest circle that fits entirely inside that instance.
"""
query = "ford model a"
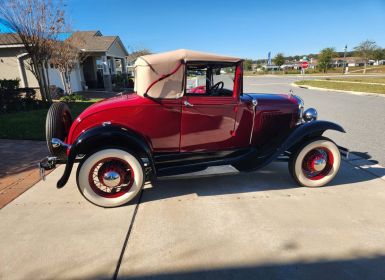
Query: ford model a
(188, 112)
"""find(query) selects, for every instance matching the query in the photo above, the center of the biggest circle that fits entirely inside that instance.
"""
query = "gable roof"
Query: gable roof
(94, 41)
(90, 41)
(10, 39)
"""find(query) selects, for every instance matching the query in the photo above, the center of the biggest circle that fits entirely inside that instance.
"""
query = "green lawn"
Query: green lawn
(30, 125)
(380, 80)
(344, 86)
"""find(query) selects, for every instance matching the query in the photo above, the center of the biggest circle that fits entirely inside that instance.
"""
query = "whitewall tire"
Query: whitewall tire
(110, 177)
(315, 163)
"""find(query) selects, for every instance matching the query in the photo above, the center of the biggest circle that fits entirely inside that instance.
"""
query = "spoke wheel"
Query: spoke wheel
(315, 163)
(110, 177)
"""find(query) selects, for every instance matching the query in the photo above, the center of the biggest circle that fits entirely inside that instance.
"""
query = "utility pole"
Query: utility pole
(343, 68)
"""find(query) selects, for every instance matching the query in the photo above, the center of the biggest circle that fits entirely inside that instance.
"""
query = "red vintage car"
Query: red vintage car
(188, 112)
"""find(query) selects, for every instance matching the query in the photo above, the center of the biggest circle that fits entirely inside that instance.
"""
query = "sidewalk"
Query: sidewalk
(18, 167)
(238, 226)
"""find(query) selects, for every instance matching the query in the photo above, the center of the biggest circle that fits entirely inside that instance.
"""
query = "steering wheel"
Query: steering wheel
(217, 87)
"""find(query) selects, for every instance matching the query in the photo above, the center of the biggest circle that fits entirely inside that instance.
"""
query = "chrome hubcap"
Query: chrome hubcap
(111, 179)
(319, 164)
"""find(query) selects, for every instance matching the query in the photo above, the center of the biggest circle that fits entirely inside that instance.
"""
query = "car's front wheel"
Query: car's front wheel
(315, 163)
(110, 177)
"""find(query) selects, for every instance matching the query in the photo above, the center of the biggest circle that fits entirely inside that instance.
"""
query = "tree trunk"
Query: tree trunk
(42, 92)
(37, 73)
(69, 82)
(365, 67)
(44, 80)
(63, 82)
(48, 82)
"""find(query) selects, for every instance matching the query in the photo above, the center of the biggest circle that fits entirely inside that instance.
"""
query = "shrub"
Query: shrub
(13, 98)
(56, 92)
(72, 98)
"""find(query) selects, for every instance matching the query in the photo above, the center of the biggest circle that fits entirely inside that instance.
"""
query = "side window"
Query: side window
(211, 79)
(196, 80)
(225, 75)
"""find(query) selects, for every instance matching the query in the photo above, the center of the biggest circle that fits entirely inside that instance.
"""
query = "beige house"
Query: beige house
(104, 58)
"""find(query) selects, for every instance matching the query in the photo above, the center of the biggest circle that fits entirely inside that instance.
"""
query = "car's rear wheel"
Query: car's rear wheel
(315, 163)
(110, 177)
(57, 125)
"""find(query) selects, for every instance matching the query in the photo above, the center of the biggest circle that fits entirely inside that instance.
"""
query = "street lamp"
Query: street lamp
(343, 68)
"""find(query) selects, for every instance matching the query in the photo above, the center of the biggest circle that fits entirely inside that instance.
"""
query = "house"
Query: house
(103, 59)
(351, 61)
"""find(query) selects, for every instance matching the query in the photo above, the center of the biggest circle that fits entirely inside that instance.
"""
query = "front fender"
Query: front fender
(103, 136)
(301, 132)
(307, 130)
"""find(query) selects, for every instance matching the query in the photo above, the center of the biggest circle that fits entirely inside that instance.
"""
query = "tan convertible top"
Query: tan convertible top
(150, 68)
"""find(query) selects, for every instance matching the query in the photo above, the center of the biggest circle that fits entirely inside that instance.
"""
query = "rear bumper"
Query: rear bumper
(47, 163)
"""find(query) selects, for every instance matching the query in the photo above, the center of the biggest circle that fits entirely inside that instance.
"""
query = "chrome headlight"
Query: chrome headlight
(310, 114)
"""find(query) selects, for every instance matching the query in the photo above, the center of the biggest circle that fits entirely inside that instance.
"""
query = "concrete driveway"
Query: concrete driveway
(236, 226)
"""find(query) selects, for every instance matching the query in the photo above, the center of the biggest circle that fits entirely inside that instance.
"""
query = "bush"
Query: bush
(13, 98)
(56, 92)
(72, 98)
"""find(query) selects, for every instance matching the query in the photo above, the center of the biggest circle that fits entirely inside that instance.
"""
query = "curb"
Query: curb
(338, 90)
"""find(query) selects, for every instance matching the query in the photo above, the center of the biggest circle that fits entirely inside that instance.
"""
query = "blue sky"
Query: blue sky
(242, 28)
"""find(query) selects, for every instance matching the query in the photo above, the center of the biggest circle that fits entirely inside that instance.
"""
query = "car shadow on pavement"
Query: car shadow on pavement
(369, 268)
(273, 177)
(364, 161)
(360, 268)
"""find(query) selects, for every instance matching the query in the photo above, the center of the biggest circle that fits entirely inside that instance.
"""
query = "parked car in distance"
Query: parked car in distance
(188, 112)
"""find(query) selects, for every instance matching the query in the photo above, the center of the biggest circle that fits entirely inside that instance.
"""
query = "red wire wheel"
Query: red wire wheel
(111, 177)
(317, 163)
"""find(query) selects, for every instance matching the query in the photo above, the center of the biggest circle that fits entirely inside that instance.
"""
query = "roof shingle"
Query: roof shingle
(92, 40)
(10, 39)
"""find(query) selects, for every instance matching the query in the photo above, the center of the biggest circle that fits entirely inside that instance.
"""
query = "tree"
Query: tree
(36, 24)
(279, 59)
(325, 58)
(365, 51)
(248, 64)
(137, 52)
(65, 58)
(379, 54)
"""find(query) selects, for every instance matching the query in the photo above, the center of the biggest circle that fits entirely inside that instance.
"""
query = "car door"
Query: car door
(208, 116)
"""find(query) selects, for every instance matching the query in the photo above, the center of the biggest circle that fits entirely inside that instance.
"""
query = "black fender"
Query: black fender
(307, 130)
(300, 133)
(102, 137)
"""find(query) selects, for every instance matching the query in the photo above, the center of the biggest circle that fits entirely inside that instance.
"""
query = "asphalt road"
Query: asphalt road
(362, 116)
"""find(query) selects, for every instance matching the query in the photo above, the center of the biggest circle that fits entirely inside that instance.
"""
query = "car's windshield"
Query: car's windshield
(210, 79)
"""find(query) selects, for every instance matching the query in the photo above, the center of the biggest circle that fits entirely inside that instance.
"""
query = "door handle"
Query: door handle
(188, 104)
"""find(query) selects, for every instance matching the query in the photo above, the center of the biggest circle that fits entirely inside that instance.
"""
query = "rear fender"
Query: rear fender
(105, 136)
